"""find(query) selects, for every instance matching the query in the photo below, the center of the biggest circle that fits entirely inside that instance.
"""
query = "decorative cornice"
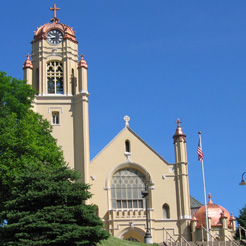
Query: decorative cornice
(41, 33)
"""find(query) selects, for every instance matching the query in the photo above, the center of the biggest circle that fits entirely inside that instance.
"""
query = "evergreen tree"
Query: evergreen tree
(242, 222)
(47, 207)
(25, 137)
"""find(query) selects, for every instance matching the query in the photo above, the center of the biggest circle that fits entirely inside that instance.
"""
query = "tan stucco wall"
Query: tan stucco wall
(64, 131)
(142, 158)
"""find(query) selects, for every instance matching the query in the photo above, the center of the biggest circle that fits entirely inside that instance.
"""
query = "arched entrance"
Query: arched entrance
(133, 234)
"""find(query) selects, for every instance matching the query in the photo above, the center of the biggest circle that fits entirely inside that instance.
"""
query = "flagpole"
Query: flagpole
(204, 189)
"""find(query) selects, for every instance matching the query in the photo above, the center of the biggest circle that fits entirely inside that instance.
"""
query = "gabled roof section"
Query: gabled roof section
(195, 203)
(127, 128)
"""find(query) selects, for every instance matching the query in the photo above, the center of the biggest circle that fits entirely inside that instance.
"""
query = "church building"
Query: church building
(135, 189)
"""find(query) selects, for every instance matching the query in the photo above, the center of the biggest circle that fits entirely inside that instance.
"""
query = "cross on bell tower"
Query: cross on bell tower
(54, 8)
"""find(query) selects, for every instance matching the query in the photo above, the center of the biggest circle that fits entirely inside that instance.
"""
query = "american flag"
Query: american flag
(199, 151)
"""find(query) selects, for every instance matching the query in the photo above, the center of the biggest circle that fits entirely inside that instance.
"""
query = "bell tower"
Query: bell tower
(61, 85)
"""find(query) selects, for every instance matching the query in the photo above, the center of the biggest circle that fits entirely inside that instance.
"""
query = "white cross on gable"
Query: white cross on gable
(126, 119)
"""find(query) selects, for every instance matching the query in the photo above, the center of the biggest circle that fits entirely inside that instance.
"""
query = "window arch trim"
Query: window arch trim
(124, 165)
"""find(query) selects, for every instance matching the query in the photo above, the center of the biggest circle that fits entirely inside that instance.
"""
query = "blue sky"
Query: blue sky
(156, 61)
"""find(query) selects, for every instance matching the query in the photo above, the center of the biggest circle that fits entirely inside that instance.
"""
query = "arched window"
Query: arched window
(55, 77)
(166, 211)
(127, 144)
(126, 187)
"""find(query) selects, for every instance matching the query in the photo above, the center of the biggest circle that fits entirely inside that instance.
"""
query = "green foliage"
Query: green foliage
(25, 137)
(47, 207)
(15, 95)
(242, 222)
(26, 140)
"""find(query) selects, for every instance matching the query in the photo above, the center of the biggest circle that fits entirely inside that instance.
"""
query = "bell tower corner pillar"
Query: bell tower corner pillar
(27, 68)
(182, 180)
(81, 123)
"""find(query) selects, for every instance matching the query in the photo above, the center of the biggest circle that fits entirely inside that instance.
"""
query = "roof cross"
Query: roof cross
(28, 56)
(178, 122)
(126, 119)
(54, 8)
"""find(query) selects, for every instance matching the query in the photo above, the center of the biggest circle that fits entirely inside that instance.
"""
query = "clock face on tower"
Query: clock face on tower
(54, 37)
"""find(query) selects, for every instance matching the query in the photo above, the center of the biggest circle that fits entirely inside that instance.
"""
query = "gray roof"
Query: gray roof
(194, 203)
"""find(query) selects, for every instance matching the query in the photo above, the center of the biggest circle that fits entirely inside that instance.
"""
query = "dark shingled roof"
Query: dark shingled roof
(194, 203)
